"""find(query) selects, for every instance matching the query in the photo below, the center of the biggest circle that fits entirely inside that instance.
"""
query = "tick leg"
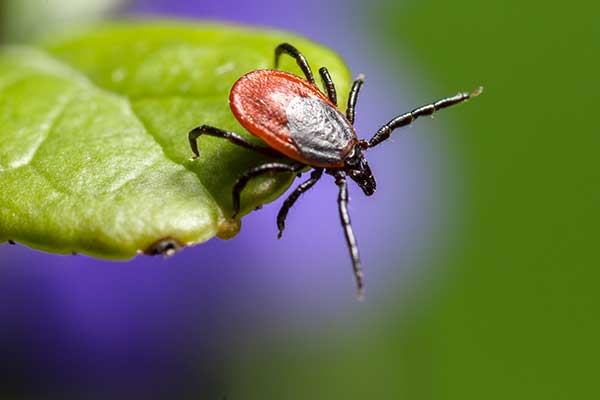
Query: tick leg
(340, 180)
(406, 119)
(232, 137)
(329, 85)
(254, 172)
(300, 59)
(289, 202)
(353, 97)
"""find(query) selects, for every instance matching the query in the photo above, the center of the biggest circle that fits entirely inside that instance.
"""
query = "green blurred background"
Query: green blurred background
(508, 309)
(518, 317)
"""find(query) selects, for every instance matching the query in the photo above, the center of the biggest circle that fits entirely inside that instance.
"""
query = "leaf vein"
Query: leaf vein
(47, 127)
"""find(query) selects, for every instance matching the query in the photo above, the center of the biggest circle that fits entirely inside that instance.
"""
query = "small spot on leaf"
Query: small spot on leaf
(166, 247)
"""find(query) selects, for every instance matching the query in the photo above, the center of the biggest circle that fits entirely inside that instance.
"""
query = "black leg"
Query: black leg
(232, 137)
(340, 180)
(300, 59)
(254, 172)
(289, 202)
(405, 119)
(329, 85)
(350, 111)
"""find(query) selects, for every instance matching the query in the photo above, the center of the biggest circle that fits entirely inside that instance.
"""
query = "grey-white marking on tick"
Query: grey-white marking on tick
(319, 130)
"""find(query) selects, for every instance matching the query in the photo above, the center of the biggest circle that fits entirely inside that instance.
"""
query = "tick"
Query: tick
(299, 122)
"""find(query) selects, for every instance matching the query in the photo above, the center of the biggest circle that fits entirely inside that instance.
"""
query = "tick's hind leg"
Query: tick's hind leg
(329, 85)
(231, 136)
(289, 202)
(340, 181)
(257, 171)
(300, 59)
(353, 97)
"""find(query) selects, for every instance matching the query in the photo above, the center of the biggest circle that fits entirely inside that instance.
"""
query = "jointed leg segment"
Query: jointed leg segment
(289, 202)
(231, 136)
(353, 97)
(340, 180)
(300, 59)
(406, 119)
(329, 85)
(257, 171)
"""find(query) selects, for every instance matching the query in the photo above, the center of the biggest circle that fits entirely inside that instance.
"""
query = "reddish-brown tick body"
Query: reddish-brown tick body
(293, 117)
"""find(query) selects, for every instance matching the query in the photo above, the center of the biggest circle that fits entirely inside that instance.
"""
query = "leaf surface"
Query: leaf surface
(94, 156)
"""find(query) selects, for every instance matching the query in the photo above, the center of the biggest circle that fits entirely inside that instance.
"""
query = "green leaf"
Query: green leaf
(21, 20)
(94, 156)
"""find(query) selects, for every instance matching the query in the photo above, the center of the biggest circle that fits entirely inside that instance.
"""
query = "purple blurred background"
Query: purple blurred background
(153, 323)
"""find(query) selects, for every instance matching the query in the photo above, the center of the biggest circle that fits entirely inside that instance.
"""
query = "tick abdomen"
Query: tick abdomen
(292, 116)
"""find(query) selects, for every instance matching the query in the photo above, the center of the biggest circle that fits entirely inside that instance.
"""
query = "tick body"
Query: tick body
(300, 123)
(293, 117)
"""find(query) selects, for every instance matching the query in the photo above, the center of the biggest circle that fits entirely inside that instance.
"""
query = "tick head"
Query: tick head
(357, 168)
